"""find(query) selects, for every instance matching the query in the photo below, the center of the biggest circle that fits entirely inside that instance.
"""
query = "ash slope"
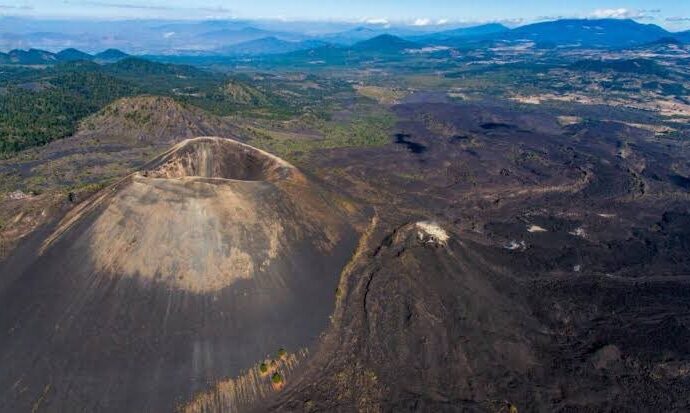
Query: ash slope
(184, 273)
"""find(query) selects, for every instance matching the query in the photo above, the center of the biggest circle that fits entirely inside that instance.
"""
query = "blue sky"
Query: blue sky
(673, 14)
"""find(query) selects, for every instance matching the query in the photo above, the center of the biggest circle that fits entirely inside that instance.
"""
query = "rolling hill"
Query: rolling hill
(29, 57)
(134, 66)
(69, 55)
(42, 57)
(149, 120)
(385, 43)
(111, 55)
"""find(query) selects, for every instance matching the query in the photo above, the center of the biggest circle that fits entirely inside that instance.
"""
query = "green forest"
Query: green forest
(39, 105)
(35, 113)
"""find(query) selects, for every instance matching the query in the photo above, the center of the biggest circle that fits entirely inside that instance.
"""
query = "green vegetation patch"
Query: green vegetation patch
(277, 378)
(366, 130)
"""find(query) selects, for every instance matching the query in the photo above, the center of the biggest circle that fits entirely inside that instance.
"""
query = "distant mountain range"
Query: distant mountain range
(485, 30)
(223, 37)
(588, 33)
(268, 46)
(238, 38)
(358, 34)
(42, 57)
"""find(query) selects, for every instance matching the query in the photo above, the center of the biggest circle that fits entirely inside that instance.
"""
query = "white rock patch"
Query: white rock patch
(18, 195)
(579, 232)
(515, 245)
(432, 233)
(536, 228)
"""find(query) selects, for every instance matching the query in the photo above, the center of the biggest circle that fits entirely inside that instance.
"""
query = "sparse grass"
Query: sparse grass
(138, 117)
(411, 176)
(90, 187)
(384, 95)
(427, 81)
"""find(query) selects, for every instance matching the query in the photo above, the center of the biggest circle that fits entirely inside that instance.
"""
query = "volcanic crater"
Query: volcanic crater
(213, 255)
(210, 157)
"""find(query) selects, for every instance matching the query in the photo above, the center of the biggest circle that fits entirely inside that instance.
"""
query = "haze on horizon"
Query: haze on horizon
(671, 14)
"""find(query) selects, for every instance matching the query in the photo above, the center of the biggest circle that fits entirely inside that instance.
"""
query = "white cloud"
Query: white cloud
(117, 5)
(15, 7)
(611, 13)
(509, 22)
(441, 22)
(551, 18)
(148, 7)
(422, 22)
(378, 20)
(623, 13)
(678, 19)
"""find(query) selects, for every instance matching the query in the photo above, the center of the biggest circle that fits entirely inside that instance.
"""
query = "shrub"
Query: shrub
(263, 367)
(276, 378)
(282, 353)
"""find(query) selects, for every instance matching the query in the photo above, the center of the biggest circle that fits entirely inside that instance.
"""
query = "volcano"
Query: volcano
(190, 270)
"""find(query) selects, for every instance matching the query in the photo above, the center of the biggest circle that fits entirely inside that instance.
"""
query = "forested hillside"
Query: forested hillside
(38, 105)
(37, 112)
